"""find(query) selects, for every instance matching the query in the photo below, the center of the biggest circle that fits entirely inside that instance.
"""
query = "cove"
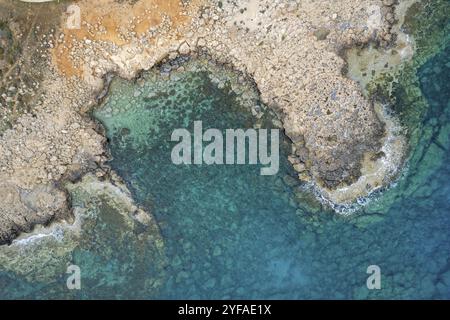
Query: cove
(225, 231)
(219, 222)
(231, 233)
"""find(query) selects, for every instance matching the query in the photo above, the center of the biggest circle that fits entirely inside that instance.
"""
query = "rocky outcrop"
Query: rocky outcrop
(39, 151)
(48, 251)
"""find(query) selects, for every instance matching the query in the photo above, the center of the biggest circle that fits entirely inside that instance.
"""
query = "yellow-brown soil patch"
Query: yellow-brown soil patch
(111, 21)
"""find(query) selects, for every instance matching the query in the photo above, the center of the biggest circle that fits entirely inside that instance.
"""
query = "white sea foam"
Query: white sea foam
(56, 232)
(382, 173)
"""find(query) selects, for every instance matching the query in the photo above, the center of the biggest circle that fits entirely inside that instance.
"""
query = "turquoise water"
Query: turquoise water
(227, 231)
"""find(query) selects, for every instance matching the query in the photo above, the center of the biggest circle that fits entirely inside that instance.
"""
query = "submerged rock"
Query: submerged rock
(108, 229)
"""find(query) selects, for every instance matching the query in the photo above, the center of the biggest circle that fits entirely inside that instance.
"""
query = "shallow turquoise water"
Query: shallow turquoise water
(231, 233)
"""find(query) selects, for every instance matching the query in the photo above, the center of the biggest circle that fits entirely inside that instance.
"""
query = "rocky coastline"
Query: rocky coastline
(290, 49)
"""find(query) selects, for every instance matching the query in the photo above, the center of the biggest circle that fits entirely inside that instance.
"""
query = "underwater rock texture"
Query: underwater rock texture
(106, 223)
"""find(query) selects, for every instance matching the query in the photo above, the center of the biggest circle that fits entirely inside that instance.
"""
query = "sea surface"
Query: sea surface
(229, 232)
